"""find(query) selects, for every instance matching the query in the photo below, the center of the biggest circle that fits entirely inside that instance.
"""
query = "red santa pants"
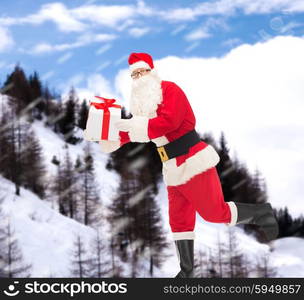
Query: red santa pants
(203, 194)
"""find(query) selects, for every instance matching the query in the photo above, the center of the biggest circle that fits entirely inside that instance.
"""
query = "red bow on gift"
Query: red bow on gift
(106, 114)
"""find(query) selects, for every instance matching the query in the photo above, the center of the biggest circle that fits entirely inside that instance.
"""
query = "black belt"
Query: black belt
(179, 146)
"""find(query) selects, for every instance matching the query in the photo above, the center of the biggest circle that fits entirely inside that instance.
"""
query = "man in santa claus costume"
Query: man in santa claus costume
(161, 113)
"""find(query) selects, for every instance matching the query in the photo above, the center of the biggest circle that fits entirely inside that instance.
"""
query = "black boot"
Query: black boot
(185, 253)
(258, 214)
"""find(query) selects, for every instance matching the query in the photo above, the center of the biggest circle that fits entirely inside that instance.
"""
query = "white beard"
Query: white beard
(146, 94)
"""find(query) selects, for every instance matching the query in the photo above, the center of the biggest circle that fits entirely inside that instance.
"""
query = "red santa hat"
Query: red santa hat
(140, 60)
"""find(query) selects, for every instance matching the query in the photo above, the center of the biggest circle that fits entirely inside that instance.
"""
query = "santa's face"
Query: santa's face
(146, 94)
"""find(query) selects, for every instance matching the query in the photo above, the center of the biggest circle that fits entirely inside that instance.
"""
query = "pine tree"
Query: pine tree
(150, 228)
(46, 95)
(263, 267)
(57, 189)
(19, 91)
(226, 169)
(55, 115)
(2, 240)
(212, 265)
(90, 202)
(83, 115)
(139, 233)
(120, 219)
(116, 270)
(32, 165)
(81, 263)
(68, 122)
(285, 222)
(65, 187)
(12, 136)
(237, 267)
(200, 264)
(36, 95)
(12, 264)
(5, 145)
(100, 261)
(69, 182)
(221, 263)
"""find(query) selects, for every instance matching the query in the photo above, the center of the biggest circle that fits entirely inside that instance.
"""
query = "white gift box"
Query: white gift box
(100, 122)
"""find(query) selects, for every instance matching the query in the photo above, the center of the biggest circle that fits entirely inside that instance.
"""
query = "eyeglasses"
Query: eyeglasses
(139, 73)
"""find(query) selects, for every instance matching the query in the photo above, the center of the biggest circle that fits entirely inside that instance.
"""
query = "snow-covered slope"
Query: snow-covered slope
(288, 257)
(52, 145)
(46, 237)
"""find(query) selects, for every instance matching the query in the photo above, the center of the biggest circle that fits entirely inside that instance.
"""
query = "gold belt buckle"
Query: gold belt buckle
(162, 153)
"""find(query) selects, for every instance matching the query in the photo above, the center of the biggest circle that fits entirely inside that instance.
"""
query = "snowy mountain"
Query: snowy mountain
(46, 237)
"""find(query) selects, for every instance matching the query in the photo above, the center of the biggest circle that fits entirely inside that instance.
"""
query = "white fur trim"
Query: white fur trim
(109, 146)
(198, 163)
(234, 213)
(185, 235)
(160, 141)
(139, 64)
(139, 129)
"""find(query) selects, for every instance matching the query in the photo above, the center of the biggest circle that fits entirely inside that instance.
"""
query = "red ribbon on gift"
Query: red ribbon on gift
(106, 114)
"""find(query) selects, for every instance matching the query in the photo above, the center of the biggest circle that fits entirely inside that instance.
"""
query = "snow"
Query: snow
(52, 145)
(46, 237)
(288, 257)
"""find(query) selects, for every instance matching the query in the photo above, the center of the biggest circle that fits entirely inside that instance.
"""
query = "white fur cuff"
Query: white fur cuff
(139, 64)
(234, 213)
(109, 146)
(185, 235)
(139, 129)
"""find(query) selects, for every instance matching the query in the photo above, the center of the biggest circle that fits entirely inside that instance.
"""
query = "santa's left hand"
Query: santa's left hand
(137, 127)
(123, 124)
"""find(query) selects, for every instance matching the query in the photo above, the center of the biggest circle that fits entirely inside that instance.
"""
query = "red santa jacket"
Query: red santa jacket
(174, 118)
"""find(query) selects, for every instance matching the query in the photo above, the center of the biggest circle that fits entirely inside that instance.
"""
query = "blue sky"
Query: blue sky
(60, 39)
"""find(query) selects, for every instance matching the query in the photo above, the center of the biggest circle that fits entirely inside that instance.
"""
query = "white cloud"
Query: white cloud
(204, 31)
(254, 95)
(82, 40)
(179, 14)
(81, 18)
(288, 28)
(103, 65)
(178, 29)
(103, 49)
(66, 85)
(138, 31)
(56, 12)
(192, 46)
(6, 40)
(106, 15)
(120, 17)
(228, 7)
(197, 34)
(64, 57)
(42, 47)
(231, 43)
(94, 85)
